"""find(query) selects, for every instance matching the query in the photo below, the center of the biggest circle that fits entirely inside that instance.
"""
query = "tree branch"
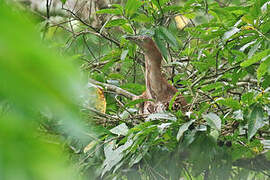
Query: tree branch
(114, 88)
(93, 28)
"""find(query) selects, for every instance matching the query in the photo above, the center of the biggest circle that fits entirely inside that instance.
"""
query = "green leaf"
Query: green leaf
(248, 98)
(124, 54)
(213, 121)
(238, 115)
(127, 28)
(162, 2)
(116, 22)
(161, 45)
(263, 68)
(34, 79)
(165, 116)
(109, 11)
(253, 49)
(257, 57)
(132, 6)
(142, 18)
(121, 129)
(114, 156)
(212, 86)
(168, 36)
(63, 1)
(255, 120)
(229, 102)
(265, 27)
(183, 129)
(163, 127)
(134, 88)
(116, 76)
(230, 33)
(173, 8)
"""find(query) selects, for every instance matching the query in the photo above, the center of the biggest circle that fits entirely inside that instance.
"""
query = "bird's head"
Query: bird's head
(143, 41)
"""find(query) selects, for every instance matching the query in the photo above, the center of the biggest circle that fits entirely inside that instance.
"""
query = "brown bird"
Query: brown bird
(157, 87)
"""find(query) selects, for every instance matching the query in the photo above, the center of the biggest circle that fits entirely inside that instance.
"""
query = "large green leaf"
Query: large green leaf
(63, 1)
(168, 36)
(124, 55)
(213, 120)
(256, 58)
(114, 156)
(33, 78)
(160, 44)
(263, 68)
(132, 6)
(121, 129)
(255, 120)
(230, 33)
(183, 128)
(116, 22)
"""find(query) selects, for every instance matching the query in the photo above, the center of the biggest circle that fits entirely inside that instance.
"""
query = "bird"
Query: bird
(157, 87)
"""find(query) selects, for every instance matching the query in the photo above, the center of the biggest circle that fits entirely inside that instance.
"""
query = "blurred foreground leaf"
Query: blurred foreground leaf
(33, 78)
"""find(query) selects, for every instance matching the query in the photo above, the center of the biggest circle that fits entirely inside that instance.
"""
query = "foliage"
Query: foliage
(34, 79)
(219, 61)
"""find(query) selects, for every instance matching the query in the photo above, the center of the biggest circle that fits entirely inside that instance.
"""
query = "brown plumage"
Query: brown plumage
(157, 87)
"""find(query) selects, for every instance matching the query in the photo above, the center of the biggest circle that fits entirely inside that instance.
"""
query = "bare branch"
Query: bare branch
(114, 88)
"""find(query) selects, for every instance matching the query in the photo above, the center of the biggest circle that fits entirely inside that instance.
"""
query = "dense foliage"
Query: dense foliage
(215, 52)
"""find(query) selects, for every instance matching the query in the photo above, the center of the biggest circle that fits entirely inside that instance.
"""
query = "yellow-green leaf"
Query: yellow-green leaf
(256, 58)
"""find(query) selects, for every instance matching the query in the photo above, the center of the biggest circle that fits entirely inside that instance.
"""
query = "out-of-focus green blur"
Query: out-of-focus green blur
(32, 78)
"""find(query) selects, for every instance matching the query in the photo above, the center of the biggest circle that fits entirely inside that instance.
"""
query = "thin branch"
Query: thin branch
(93, 28)
(223, 72)
(114, 88)
(201, 92)
(90, 51)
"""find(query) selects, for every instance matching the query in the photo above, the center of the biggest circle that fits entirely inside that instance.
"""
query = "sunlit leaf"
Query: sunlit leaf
(238, 115)
(90, 146)
(165, 116)
(116, 22)
(121, 129)
(230, 33)
(256, 58)
(213, 120)
(109, 11)
(113, 156)
(183, 128)
(162, 127)
(255, 120)
(127, 28)
(263, 68)
(96, 98)
(254, 49)
(181, 21)
(124, 54)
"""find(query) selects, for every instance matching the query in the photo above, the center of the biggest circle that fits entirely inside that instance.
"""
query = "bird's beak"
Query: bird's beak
(135, 39)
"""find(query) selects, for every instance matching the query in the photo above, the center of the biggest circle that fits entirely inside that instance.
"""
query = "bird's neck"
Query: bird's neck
(153, 78)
